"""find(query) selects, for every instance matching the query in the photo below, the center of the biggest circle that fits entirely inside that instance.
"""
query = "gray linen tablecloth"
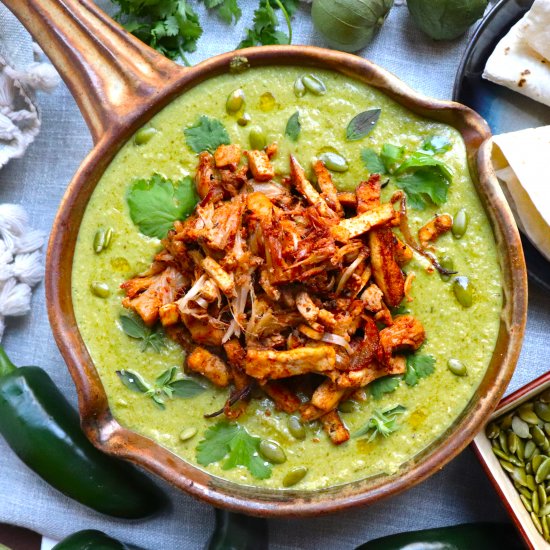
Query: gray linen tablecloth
(459, 493)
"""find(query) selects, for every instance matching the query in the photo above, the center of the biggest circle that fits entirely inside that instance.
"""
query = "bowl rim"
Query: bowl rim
(105, 432)
(500, 481)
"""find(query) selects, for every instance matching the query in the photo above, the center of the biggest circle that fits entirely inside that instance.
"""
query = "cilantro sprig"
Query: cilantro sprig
(207, 134)
(166, 385)
(264, 30)
(235, 446)
(382, 422)
(156, 203)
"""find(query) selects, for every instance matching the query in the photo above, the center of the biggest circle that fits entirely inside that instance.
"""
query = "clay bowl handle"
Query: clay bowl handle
(109, 72)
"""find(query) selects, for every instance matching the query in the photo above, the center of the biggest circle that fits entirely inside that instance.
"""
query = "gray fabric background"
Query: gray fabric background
(459, 493)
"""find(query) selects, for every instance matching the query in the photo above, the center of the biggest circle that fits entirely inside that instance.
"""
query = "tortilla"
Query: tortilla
(535, 28)
(520, 160)
(516, 65)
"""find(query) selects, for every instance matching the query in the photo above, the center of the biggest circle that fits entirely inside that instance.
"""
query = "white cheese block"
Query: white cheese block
(516, 64)
(521, 162)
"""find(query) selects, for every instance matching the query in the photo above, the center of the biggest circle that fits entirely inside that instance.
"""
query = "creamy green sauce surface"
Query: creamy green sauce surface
(452, 331)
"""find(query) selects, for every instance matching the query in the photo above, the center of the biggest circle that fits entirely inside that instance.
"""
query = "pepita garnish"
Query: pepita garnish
(521, 442)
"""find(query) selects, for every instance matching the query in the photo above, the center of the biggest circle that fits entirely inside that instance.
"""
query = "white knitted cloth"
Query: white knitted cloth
(20, 75)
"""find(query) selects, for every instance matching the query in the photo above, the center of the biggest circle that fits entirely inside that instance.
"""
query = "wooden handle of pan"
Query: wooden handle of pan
(109, 72)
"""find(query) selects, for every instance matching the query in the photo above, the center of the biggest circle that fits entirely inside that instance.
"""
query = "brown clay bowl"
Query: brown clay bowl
(119, 85)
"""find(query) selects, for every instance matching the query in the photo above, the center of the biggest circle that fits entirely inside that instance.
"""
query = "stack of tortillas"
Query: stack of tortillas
(521, 60)
(521, 161)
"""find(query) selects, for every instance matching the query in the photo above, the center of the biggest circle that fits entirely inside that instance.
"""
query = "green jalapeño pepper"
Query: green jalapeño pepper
(90, 539)
(238, 532)
(43, 430)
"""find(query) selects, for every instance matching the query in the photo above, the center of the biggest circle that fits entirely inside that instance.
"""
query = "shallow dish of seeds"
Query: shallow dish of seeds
(514, 449)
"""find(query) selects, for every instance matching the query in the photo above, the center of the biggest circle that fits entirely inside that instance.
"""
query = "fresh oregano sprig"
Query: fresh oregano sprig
(166, 385)
(136, 328)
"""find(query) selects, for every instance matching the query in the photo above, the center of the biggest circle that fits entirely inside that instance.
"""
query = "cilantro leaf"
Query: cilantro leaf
(372, 161)
(382, 422)
(293, 127)
(170, 26)
(207, 134)
(422, 184)
(437, 144)
(418, 366)
(232, 441)
(157, 202)
(228, 10)
(391, 155)
(421, 160)
(265, 23)
(386, 384)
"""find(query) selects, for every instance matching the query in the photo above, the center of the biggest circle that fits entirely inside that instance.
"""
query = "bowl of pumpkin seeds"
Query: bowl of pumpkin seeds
(514, 449)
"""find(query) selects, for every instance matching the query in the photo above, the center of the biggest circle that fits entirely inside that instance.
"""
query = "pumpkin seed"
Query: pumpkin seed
(144, 135)
(500, 454)
(531, 483)
(520, 452)
(458, 368)
(503, 441)
(542, 410)
(101, 290)
(529, 468)
(294, 476)
(545, 396)
(529, 449)
(296, 428)
(244, 119)
(272, 451)
(526, 503)
(519, 476)
(545, 529)
(536, 461)
(492, 430)
(542, 495)
(515, 461)
(521, 428)
(314, 84)
(463, 290)
(539, 438)
(536, 521)
(527, 414)
(446, 262)
(460, 223)
(188, 433)
(547, 428)
(507, 466)
(535, 502)
(334, 161)
(526, 493)
(506, 422)
(348, 406)
(299, 88)
(257, 138)
(543, 471)
(234, 102)
(544, 510)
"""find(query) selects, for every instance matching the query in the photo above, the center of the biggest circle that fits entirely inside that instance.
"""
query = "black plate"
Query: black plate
(503, 109)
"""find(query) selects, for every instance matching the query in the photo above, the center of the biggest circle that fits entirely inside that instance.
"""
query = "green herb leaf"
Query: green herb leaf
(264, 29)
(133, 381)
(418, 366)
(293, 127)
(437, 144)
(155, 339)
(425, 183)
(228, 10)
(362, 124)
(391, 155)
(157, 202)
(170, 26)
(135, 328)
(166, 377)
(386, 384)
(234, 442)
(207, 134)
(373, 163)
(186, 388)
(382, 422)
(421, 160)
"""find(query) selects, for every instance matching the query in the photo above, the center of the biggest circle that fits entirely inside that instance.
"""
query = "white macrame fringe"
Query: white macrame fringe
(20, 262)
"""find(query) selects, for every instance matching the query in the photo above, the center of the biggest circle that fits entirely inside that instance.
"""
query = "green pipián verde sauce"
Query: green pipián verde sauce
(453, 331)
